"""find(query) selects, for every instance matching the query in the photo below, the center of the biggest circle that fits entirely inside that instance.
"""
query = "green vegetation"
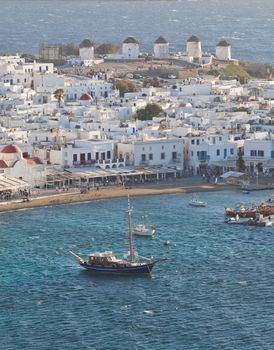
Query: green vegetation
(126, 86)
(107, 48)
(237, 71)
(155, 82)
(150, 111)
(259, 70)
(70, 50)
(28, 57)
(59, 95)
(240, 164)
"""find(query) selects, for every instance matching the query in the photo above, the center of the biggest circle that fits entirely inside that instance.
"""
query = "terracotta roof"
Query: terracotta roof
(85, 97)
(86, 43)
(223, 43)
(193, 39)
(161, 40)
(11, 149)
(130, 40)
(3, 164)
(34, 161)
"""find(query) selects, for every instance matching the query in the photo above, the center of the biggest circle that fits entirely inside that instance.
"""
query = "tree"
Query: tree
(150, 111)
(240, 164)
(106, 48)
(59, 95)
(126, 86)
(70, 50)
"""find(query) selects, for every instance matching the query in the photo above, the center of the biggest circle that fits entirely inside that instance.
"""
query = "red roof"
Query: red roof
(3, 164)
(85, 97)
(34, 161)
(11, 149)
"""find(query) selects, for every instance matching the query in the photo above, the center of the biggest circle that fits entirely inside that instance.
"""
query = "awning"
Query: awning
(228, 174)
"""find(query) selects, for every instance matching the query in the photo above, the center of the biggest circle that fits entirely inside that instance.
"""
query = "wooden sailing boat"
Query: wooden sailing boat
(109, 263)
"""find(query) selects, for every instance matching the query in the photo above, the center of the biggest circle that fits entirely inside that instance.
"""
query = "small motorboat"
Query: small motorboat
(196, 203)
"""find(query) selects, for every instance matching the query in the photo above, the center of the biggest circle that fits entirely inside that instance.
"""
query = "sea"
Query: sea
(214, 292)
(247, 24)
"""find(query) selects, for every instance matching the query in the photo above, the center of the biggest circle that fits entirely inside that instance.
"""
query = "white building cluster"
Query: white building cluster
(206, 125)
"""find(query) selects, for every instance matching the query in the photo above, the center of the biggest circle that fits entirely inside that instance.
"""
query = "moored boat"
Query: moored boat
(109, 263)
(264, 209)
(144, 229)
(196, 203)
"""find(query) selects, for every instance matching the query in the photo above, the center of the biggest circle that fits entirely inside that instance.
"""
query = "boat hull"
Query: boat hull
(266, 211)
(197, 204)
(128, 270)
(144, 233)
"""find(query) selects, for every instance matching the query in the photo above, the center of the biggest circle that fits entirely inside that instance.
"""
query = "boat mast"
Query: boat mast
(129, 211)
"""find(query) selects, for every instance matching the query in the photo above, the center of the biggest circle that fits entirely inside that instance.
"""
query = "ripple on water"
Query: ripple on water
(215, 291)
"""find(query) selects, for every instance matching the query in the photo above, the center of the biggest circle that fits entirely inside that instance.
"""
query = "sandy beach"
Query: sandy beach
(44, 200)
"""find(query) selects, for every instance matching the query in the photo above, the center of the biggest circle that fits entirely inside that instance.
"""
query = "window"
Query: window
(193, 142)
(75, 157)
(108, 154)
(220, 138)
(174, 146)
(163, 147)
(143, 148)
(217, 152)
(150, 156)
(163, 155)
(89, 156)
(198, 154)
(213, 140)
(260, 153)
(253, 153)
(66, 154)
(174, 155)
(143, 157)
(231, 151)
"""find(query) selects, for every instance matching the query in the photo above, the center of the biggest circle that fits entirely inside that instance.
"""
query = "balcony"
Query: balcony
(108, 163)
(204, 159)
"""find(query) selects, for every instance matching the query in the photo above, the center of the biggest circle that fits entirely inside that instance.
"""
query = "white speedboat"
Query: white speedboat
(196, 203)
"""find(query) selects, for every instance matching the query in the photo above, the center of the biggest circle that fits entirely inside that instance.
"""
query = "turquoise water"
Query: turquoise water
(247, 24)
(215, 292)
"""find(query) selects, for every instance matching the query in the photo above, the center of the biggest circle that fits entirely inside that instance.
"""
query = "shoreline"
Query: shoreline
(77, 197)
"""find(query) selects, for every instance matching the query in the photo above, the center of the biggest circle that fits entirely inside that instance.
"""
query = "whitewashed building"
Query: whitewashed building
(223, 51)
(194, 49)
(17, 164)
(131, 48)
(152, 152)
(86, 50)
(94, 87)
(82, 153)
(161, 48)
(206, 150)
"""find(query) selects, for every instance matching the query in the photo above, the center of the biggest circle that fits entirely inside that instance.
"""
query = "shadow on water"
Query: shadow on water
(99, 277)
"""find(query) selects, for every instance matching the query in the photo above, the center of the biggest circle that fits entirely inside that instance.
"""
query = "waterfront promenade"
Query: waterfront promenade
(44, 198)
